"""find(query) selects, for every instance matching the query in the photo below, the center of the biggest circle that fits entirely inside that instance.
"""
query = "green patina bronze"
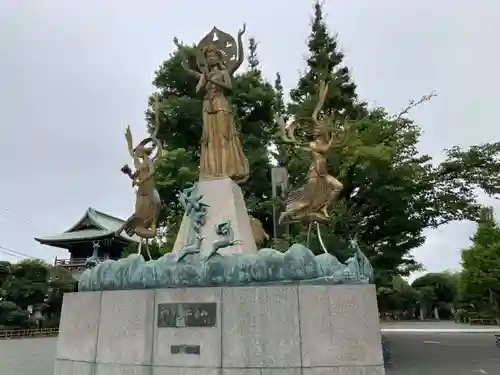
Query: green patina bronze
(297, 264)
(225, 231)
(196, 211)
(196, 266)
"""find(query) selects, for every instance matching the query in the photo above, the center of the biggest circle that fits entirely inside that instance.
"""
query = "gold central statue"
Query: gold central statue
(218, 57)
(310, 202)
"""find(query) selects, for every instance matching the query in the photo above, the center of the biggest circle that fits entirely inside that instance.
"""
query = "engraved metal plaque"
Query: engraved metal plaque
(185, 349)
(181, 315)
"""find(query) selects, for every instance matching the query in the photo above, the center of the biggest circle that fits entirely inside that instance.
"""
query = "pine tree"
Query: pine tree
(365, 165)
(280, 95)
(253, 58)
(391, 192)
(282, 154)
(324, 63)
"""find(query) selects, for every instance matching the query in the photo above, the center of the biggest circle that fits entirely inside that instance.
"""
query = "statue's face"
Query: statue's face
(140, 152)
(319, 131)
(212, 57)
(143, 151)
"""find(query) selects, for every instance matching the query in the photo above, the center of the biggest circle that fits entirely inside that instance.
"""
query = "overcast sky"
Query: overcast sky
(73, 74)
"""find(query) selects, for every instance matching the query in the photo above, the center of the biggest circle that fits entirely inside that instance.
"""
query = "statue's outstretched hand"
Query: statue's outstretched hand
(242, 30)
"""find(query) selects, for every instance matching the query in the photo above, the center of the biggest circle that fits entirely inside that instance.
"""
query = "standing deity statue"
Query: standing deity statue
(143, 221)
(310, 202)
(218, 57)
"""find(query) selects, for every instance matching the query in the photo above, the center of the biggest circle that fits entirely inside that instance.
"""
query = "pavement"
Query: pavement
(442, 348)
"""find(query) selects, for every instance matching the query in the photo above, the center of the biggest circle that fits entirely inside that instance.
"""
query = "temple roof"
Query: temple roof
(94, 225)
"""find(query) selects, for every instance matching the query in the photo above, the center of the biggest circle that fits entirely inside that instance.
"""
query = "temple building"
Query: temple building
(95, 228)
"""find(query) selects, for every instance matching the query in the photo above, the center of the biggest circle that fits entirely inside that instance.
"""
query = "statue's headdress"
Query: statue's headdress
(221, 43)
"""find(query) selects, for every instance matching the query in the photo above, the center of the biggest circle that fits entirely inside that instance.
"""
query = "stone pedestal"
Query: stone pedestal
(226, 202)
(284, 329)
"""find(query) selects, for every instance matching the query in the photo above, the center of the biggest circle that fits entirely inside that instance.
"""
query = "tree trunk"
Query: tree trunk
(436, 313)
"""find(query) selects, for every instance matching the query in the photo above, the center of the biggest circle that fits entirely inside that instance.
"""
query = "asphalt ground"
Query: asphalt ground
(443, 353)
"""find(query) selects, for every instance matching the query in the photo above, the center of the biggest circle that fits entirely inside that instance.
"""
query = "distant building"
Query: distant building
(94, 227)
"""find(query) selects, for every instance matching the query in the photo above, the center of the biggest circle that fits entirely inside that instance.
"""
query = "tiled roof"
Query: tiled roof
(93, 225)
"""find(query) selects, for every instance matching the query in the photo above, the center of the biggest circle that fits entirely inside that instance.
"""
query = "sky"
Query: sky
(74, 74)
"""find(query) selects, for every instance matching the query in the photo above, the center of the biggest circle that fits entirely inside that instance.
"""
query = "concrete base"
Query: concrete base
(259, 330)
(225, 200)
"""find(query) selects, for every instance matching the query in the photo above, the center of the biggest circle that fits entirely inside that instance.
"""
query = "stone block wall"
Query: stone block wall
(259, 330)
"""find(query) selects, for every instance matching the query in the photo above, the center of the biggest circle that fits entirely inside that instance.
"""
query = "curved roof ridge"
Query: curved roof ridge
(104, 225)
(107, 215)
(90, 214)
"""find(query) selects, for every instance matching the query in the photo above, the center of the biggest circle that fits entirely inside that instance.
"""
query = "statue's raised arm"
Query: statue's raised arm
(154, 135)
(287, 132)
(241, 54)
(130, 142)
(185, 62)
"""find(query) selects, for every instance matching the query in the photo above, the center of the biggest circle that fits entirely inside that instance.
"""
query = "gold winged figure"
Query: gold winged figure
(218, 57)
(310, 202)
(143, 221)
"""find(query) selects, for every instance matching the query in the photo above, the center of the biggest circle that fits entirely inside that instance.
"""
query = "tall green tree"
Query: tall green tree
(325, 62)
(279, 105)
(480, 277)
(253, 57)
(376, 162)
(252, 98)
(282, 154)
(391, 191)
